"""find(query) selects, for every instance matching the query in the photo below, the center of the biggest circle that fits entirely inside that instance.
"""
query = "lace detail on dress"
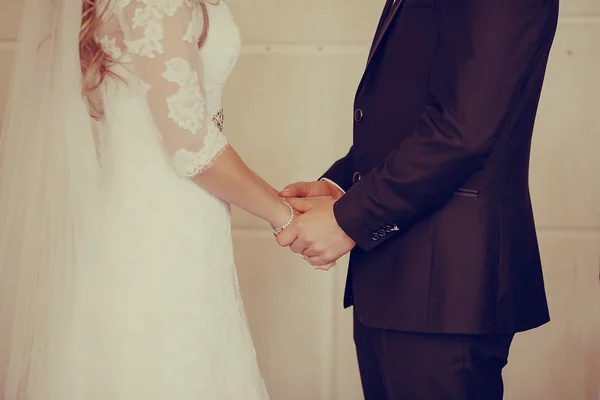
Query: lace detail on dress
(150, 19)
(190, 164)
(195, 27)
(161, 38)
(145, 88)
(186, 107)
(109, 45)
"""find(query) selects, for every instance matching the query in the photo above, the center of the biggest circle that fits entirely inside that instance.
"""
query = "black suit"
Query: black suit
(437, 178)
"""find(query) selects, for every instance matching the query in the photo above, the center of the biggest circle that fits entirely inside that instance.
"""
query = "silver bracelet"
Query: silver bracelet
(277, 231)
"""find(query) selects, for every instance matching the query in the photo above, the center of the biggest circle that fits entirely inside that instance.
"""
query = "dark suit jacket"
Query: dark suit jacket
(437, 178)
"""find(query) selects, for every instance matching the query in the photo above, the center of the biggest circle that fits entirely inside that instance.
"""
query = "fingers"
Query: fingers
(308, 252)
(302, 205)
(320, 263)
(327, 267)
(317, 262)
(294, 238)
(298, 247)
(307, 189)
(300, 189)
(286, 237)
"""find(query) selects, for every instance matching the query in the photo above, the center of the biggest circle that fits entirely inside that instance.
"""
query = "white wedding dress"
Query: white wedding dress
(158, 313)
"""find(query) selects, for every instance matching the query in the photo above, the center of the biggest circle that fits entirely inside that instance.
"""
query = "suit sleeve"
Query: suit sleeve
(485, 52)
(341, 172)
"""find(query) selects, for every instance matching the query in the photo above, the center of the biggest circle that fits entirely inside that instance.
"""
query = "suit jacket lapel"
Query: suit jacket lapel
(384, 24)
(384, 15)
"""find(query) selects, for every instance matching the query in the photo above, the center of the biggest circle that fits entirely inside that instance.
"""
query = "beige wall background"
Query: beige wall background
(289, 107)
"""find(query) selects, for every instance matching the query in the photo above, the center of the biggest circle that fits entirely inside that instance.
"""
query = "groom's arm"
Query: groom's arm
(484, 56)
(340, 173)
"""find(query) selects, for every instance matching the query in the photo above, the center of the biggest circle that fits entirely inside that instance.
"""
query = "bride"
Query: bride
(117, 278)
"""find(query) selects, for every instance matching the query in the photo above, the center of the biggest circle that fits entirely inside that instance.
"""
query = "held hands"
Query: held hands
(315, 233)
(312, 189)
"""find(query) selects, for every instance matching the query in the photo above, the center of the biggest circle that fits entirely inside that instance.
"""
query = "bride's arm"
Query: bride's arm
(231, 180)
(162, 40)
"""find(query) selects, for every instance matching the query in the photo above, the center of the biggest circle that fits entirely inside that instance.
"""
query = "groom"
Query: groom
(433, 197)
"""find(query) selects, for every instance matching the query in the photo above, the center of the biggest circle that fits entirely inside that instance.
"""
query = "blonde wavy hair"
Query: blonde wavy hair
(95, 62)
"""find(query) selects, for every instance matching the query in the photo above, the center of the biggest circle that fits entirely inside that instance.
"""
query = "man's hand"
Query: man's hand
(312, 189)
(316, 234)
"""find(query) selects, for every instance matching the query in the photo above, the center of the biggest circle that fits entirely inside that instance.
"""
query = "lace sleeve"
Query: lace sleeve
(162, 38)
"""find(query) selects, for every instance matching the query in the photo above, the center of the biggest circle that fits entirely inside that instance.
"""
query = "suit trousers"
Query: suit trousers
(422, 366)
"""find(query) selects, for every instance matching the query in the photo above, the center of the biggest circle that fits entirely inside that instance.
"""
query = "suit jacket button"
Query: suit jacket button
(381, 233)
(356, 177)
(374, 236)
(358, 115)
(388, 228)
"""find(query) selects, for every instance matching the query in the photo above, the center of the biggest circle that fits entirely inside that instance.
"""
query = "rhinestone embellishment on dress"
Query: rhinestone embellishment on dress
(218, 120)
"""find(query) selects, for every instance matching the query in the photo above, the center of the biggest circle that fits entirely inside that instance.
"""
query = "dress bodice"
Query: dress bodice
(157, 43)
